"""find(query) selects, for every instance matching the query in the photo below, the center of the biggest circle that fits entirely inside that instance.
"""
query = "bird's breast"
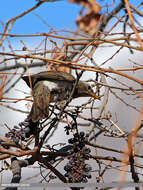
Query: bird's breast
(60, 90)
(51, 85)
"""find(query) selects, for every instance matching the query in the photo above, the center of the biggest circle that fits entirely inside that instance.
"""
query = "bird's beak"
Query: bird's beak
(92, 94)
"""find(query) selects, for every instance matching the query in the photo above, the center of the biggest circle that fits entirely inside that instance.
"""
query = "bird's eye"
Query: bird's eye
(89, 87)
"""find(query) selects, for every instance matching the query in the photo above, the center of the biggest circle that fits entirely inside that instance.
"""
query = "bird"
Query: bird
(53, 86)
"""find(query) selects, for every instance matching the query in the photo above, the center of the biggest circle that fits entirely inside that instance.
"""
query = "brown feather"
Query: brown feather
(41, 99)
(49, 75)
(43, 93)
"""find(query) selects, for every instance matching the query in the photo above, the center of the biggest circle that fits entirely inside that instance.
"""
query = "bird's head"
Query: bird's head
(84, 90)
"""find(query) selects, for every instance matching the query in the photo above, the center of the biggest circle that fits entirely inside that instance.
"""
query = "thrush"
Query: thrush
(53, 86)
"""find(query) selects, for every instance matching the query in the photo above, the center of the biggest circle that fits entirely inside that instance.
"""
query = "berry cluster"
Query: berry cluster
(19, 132)
(76, 169)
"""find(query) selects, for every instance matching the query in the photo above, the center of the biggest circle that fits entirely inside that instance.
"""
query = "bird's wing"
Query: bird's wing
(59, 75)
(49, 75)
(41, 100)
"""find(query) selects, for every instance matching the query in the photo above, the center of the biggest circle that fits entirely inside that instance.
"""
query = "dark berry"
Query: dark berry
(26, 129)
(81, 145)
(81, 134)
(72, 140)
(68, 167)
(87, 168)
(68, 175)
(76, 150)
(76, 135)
(84, 180)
